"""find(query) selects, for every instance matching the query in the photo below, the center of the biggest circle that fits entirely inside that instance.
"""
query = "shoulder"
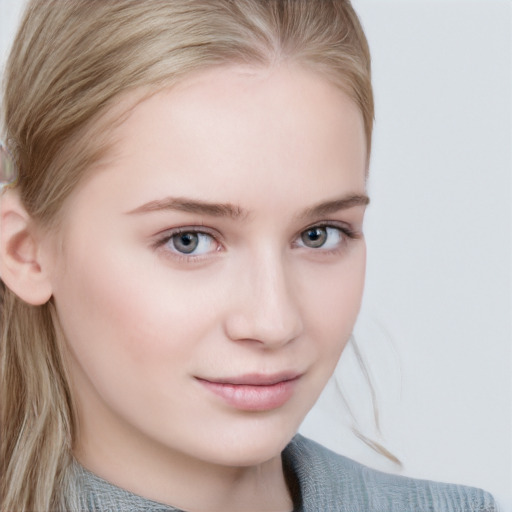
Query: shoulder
(329, 481)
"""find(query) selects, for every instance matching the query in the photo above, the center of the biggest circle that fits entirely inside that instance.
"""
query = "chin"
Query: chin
(250, 446)
(251, 453)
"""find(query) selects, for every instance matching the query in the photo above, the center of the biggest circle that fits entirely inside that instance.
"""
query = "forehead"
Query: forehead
(239, 133)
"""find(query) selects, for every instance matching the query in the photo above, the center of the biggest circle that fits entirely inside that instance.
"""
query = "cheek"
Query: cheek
(131, 336)
(127, 311)
(130, 319)
(335, 295)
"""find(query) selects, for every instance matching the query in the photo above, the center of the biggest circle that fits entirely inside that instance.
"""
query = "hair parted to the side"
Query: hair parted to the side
(72, 61)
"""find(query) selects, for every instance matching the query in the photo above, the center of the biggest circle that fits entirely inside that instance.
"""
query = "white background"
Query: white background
(435, 327)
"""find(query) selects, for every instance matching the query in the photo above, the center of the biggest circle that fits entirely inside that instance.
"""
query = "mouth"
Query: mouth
(254, 392)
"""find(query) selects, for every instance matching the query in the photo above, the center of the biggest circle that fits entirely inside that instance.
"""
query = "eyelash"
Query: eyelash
(347, 234)
(189, 258)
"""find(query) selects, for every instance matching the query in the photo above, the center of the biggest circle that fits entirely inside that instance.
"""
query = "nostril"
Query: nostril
(271, 330)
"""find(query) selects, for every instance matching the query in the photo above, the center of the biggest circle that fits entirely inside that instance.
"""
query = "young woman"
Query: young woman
(183, 257)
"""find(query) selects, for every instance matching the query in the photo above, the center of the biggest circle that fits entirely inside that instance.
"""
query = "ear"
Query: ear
(21, 267)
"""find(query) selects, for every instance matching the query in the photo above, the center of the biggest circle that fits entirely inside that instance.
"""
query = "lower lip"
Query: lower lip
(253, 398)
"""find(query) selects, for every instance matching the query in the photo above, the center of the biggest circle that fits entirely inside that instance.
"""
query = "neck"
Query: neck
(183, 482)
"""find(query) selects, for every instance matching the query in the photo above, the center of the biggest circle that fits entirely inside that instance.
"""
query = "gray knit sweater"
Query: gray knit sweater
(320, 481)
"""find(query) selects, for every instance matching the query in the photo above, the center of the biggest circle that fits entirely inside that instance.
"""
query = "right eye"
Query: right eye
(190, 243)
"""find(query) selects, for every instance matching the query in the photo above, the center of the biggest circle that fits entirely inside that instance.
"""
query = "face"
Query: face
(210, 273)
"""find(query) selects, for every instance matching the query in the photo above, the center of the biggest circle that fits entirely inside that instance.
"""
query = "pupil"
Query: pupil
(186, 242)
(315, 237)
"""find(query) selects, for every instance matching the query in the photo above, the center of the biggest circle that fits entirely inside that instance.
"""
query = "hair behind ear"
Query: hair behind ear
(36, 412)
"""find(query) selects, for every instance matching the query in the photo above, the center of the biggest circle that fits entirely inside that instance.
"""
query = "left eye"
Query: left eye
(324, 237)
(192, 243)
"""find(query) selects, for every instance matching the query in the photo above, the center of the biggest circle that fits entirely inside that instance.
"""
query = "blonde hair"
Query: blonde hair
(72, 61)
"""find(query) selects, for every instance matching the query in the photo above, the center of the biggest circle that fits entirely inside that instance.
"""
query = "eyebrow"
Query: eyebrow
(336, 205)
(189, 205)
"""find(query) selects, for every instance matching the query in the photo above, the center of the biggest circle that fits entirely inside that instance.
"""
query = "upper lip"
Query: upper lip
(255, 379)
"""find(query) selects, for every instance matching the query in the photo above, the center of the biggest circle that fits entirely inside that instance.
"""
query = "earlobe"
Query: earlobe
(21, 268)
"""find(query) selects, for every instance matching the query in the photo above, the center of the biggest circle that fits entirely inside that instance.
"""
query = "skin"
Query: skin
(145, 325)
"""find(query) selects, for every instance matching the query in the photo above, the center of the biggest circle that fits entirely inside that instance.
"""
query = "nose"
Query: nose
(264, 304)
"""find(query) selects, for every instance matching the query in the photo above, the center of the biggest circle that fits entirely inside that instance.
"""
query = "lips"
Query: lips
(253, 392)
